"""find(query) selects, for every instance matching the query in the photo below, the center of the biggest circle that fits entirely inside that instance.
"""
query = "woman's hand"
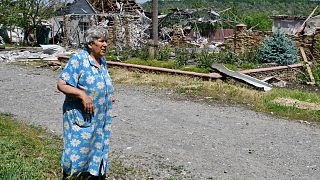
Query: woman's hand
(87, 103)
(113, 99)
(77, 93)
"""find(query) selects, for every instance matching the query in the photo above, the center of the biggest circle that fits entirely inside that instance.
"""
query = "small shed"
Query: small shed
(287, 24)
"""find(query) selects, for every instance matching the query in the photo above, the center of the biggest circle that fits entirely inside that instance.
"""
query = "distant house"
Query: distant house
(72, 21)
(80, 11)
(287, 24)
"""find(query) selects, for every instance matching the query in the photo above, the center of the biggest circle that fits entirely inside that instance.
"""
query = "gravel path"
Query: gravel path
(177, 138)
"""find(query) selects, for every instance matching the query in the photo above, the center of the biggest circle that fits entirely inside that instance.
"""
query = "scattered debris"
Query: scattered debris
(46, 53)
(275, 81)
(53, 49)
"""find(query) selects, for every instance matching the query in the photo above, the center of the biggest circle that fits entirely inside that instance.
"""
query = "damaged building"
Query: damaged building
(129, 27)
(124, 18)
(199, 28)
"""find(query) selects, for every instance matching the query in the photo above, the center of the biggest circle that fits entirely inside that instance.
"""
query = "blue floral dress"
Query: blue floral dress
(86, 138)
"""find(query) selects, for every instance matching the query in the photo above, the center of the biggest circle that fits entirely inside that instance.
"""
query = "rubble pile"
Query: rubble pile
(128, 31)
(48, 53)
(178, 37)
(16, 55)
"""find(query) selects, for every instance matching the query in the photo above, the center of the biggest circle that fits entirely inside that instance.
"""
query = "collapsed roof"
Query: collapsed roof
(76, 7)
(99, 6)
(104, 6)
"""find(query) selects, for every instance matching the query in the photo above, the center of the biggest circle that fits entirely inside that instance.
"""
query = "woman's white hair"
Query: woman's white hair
(94, 33)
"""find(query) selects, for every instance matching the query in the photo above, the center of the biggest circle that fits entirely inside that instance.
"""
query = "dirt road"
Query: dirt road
(173, 137)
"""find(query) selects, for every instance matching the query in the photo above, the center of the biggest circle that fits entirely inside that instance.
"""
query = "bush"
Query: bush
(182, 57)
(316, 72)
(195, 69)
(4, 35)
(278, 49)
(164, 54)
(205, 60)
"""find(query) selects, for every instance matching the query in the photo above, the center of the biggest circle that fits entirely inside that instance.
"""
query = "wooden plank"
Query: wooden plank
(304, 23)
(304, 57)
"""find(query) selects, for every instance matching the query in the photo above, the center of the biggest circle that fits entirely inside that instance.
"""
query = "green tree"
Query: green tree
(26, 14)
(259, 21)
(279, 49)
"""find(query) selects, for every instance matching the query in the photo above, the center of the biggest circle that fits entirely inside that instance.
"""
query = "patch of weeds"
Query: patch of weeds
(111, 58)
(118, 170)
(248, 66)
(182, 57)
(28, 63)
(164, 54)
(316, 72)
(155, 63)
(175, 172)
(195, 69)
(231, 67)
(205, 59)
(26, 152)
(137, 75)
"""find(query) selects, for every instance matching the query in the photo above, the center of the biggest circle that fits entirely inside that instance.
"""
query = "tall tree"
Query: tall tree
(26, 14)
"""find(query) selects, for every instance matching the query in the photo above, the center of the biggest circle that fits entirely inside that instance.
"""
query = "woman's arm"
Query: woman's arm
(76, 93)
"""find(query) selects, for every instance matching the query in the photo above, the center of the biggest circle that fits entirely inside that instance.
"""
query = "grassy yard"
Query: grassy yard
(229, 92)
(27, 152)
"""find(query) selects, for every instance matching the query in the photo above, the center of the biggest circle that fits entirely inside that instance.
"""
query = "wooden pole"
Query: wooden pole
(154, 28)
(304, 57)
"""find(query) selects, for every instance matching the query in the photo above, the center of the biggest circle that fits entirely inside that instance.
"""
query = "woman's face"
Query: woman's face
(99, 47)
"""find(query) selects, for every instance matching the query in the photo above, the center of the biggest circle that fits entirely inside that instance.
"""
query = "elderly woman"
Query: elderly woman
(87, 108)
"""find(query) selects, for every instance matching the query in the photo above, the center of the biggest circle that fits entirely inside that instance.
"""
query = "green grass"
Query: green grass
(195, 69)
(27, 152)
(170, 64)
(291, 112)
(156, 63)
(232, 92)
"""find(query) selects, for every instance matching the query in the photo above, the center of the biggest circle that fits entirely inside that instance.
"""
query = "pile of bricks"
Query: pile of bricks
(178, 38)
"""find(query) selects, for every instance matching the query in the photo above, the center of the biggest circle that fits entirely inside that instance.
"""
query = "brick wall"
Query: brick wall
(244, 40)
